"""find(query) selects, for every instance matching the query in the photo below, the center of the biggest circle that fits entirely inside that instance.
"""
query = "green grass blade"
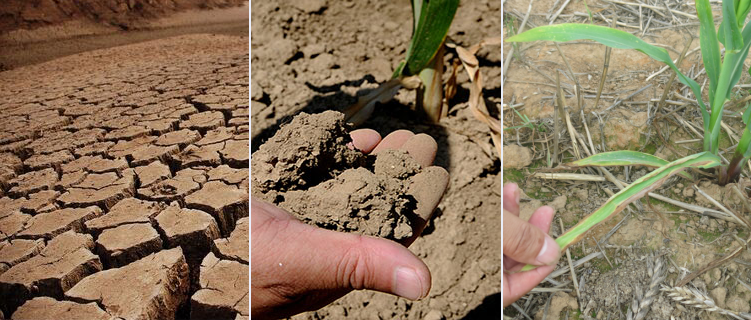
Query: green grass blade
(710, 50)
(612, 38)
(635, 191)
(622, 158)
(435, 18)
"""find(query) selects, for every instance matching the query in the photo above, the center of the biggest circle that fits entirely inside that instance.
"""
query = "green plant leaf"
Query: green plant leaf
(741, 11)
(742, 154)
(435, 18)
(710, 50)
(731, 33)
(416, 10)
(730, 74)
(612, 38)
(635, 191)
(743, 144)
(739, 58)
(621, 158)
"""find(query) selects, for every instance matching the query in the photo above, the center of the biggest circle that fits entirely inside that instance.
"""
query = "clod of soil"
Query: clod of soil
(307, 169)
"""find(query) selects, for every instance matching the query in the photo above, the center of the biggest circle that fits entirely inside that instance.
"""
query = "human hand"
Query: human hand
(298, 267)
(525, 242)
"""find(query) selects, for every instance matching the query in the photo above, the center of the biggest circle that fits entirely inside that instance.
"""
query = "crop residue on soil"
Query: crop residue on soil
(308, 169)
(624, 276)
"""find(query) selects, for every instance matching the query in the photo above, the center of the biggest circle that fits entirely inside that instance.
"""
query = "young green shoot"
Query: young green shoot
(423, 67)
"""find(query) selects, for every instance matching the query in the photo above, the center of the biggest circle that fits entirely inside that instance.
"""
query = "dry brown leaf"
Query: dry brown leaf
(476, 101)
(363, 108)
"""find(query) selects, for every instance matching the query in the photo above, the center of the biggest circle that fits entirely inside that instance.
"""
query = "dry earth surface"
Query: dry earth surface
(319, 55)
(651, 233)
(124, 183)
(33, 34)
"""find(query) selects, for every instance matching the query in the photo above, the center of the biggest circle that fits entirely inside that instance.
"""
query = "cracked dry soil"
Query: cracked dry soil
(124, 183)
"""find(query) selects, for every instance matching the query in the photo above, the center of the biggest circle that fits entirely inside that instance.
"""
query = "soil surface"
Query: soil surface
(127, 167)
(650, 233)
(30, 43)
(312, 56)
(19, 14)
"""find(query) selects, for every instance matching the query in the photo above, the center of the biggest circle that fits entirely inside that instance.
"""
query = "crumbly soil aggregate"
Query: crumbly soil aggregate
(104, 213)
(308, 169)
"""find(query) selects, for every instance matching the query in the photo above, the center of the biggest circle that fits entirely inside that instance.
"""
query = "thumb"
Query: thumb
(526, 243)
(334, 260)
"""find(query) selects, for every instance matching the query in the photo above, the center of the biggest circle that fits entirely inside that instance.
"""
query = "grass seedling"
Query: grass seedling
(723, 74)
(422, 69)
(526, 123)
(509, 20)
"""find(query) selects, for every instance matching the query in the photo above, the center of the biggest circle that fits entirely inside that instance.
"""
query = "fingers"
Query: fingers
(365, 139)
(526, 243)
(332, 260)
(357, 262)
(269, 210)
(422, 148)
(542, 218)
(511, 198)
(518, 284)
(427, 187)
(393, 140)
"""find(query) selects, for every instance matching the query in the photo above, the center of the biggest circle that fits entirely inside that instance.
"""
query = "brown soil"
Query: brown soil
(97, 193)
(311, 60)
(19, 14)
(367, 194)
(685, 240)
(46, 41)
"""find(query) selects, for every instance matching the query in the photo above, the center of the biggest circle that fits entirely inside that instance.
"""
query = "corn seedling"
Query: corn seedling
(723, 74)
(422, 69)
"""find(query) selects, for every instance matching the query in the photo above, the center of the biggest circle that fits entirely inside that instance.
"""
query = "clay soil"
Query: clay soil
(312, 56)
(124, 182)
(650, 232)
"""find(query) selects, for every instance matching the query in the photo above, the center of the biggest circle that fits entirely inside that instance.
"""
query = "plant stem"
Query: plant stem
(711, 137)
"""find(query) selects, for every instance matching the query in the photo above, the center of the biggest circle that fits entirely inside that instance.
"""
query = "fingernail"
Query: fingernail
(517, 196)
(549, 253)
(407, 284)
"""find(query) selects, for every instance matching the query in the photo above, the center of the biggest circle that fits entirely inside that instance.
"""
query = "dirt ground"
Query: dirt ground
(21, 47)
(124, 182)
(318, 55)
(653, 243)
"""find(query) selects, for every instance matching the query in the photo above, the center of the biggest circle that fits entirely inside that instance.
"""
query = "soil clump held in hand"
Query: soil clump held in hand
(309, 169)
